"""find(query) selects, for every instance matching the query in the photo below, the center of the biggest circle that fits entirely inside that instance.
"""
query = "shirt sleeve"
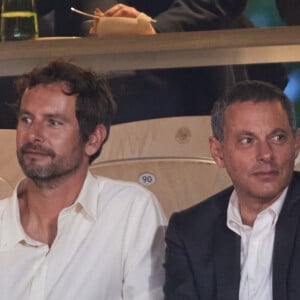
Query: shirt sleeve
(145, 248)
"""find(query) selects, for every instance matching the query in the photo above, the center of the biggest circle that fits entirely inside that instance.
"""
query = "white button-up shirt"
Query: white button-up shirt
(256, 248)
(109, 246)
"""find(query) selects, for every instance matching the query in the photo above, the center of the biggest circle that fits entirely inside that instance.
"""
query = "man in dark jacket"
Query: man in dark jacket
(243, 243)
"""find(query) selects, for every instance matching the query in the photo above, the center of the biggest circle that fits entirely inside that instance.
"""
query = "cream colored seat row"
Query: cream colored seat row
(168, 156)
(10, 171)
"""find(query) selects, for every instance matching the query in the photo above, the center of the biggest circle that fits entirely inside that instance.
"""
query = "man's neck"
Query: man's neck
(250, 208)
(249, 213)
(40, 206)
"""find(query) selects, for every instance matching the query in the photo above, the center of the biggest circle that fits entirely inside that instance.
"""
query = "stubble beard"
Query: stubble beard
(52, 174)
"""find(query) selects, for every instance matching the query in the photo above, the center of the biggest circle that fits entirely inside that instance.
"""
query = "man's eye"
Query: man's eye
(26, 120)
(54, 122)
(246, 140)
(279, 137)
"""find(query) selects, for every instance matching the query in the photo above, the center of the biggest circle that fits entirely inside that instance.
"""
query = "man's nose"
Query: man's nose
(264, 151)
(36, 132)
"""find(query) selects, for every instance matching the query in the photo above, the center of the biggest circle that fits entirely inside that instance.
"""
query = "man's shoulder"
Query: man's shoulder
(294, 185)
(127, 200)
(296, 176)
(215, 202)
(294, 188)
(112, 193)
(206, 211)
(121, 186)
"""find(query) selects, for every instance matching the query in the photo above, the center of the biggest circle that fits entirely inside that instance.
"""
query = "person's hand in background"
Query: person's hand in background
(121, 10)
(118, 10)
(100, 13)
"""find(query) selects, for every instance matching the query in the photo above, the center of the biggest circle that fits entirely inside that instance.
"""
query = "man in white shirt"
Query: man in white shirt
(244, 242)
(65, 234)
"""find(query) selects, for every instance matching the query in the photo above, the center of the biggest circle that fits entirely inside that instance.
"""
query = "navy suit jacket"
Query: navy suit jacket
(203, 255)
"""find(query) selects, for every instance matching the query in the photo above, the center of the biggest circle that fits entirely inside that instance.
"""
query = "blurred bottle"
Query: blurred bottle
(18, 20)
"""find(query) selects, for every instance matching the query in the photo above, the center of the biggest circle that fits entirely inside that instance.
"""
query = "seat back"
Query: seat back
(165, 137)
(168, 156)
(10, 170)
(5, 189)
(178, 183)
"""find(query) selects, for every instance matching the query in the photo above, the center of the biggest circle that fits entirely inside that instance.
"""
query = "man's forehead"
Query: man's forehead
(243, 106)
(251, 114)
(47, 99)
(64, 86)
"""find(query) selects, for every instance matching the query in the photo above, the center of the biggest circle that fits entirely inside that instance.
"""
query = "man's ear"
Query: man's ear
(95, 140)
(216, 151)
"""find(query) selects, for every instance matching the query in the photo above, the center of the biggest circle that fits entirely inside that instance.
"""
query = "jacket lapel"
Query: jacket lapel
(227, 261)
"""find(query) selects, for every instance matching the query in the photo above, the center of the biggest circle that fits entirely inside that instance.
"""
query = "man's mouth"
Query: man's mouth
(266, 173)
(36, 151)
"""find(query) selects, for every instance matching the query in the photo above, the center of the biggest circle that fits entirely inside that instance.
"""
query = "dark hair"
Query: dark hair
(250, 90)
(94, 101)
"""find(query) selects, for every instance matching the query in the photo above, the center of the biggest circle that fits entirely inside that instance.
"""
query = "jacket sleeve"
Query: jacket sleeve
(193, 15)
(289, 11)
(44, 6)
(179, 281)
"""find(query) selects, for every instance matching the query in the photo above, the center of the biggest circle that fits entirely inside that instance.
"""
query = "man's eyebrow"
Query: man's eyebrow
(273, 132)
(55, 115)
(279, 130)
(59, 116)
(245, 132)
(48, 115)
(23, 111)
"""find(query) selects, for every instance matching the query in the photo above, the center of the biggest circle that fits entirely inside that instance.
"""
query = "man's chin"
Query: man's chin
(38, 173)
(267, 193)
(39, 177)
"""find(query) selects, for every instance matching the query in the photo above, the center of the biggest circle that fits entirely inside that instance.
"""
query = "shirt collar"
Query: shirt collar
(11, 230)
(234, 220)
(87, 196)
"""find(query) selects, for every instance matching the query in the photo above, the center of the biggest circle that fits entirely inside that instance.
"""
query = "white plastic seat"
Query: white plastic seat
(178, 183)
(10, 170)
(5, 189)
(169, 156)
